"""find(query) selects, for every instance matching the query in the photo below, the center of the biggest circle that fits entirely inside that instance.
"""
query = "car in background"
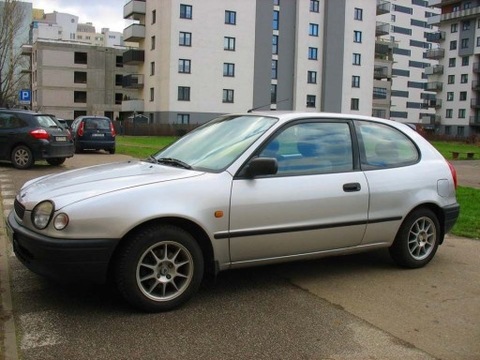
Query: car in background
(93, 133)
(242, 190)
(27, 136)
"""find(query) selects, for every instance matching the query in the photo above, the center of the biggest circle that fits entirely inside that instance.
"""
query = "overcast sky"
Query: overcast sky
(101, 13)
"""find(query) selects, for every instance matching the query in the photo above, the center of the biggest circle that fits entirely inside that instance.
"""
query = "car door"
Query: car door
(9, 133)
(317, 201)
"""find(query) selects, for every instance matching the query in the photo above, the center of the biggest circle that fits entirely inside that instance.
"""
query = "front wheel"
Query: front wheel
(417, 239)
(22, 157)
(160, 268)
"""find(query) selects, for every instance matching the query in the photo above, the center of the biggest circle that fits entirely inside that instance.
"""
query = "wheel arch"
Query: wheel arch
(196, 231)
(437, 210)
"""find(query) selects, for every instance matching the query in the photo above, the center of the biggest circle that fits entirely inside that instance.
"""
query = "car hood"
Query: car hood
(75, 185)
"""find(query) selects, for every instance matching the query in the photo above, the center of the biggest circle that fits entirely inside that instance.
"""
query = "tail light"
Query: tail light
(40, 134)
(112, 129)
(80, 129)
(454, 174)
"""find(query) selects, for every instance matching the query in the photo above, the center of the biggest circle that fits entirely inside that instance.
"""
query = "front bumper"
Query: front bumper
(59, 259)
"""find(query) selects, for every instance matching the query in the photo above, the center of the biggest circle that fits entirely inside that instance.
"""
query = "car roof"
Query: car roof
(23, 111)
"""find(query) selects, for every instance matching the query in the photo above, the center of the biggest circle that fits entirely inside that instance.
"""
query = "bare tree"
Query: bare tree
(12, 62)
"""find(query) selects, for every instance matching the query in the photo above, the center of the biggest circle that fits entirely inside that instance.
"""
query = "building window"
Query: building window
(80, 97)
(230, 17)
(228, 69)
(276, 2)
(154, 16)
(355, 81)
(119, 61)
(461, 113)
(465, 43)
(453, 44)
(80, 58)
(452, 62)
(274, 69)
(449, 113)
(183, 118)
(451, 79)
(152, 94)
(464, 78)
(183, 93)
(463, 96)
(380, 93)
(313, 29)
(312, 53)
(465, 61)
(450, 96)
(358, 14)
(311, 100)
(80, 77)
(393, 18)
(454, 28)
(118, 98)
(275, 44)
(357, 59)
(229, 43)
(185, 39)
(276, 20)
(227, 96)
(460, 131)
(354, 104)
(152, 43)
(273, 94)
(466, 25)
(312, 77)
(185, 11)
(184, 66)
(314, 6)
(118, 79)
(357, 36)
(478, 41)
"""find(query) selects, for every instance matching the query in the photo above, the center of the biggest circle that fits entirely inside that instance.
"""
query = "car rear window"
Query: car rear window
(45, 121)
(97, 124)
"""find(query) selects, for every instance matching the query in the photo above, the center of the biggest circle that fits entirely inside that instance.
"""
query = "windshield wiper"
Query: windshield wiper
(174, 162)
(152, 159)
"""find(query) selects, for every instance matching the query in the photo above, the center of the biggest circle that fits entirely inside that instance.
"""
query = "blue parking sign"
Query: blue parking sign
(25, 96)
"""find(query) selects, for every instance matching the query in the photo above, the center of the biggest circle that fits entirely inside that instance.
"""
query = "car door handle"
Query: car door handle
(350, 187)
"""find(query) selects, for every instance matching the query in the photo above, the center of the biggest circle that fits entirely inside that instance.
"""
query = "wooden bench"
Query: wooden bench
(456, 154)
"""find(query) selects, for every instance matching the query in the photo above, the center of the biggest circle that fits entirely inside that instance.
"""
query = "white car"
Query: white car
(241, 190)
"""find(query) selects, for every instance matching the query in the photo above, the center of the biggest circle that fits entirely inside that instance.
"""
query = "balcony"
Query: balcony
(383, 7)
(476, 85)
(382, 28)
(465, 13)
(475, 103)
(435, 37)
(134, 32)
(26, 49)
(435, 54)
(133, 81)
(381, 72)
(475, 120)
(433, 103)
(476, 68)
(132, 105)
(434, 70)
(440, 3)
(434, 86)
(431, 119)
(134, 10)
(134, 57)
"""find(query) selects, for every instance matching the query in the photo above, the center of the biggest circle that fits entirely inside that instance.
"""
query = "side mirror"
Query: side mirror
(261, 166)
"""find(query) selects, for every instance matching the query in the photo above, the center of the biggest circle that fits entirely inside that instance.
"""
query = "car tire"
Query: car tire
(160, 268)
(417, 239)
(22, 157)
(56, 161)
(111, 151)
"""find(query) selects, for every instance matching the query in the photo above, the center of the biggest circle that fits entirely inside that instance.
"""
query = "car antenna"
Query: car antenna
(259, 107)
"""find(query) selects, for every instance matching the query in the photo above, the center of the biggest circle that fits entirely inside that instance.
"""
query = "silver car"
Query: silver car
(241, 190)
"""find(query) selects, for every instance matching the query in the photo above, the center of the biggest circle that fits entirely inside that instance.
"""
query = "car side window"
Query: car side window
(312, 148)
(10, 121)
(382, 146)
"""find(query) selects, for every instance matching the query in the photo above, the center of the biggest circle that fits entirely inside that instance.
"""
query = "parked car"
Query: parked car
(241, 190)
(26, 137)
(93, 133)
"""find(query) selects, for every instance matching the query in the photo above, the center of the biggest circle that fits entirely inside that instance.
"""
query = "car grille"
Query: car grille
(19, 209)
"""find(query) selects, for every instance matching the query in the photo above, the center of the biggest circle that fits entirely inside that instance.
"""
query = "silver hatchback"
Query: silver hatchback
(241, 190)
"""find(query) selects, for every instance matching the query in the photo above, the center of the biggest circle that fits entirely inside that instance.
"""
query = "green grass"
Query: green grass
(468, 198)
(447, 147)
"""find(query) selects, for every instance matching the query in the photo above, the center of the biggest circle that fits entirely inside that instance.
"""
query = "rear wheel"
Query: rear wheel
(160, 268)
(417, 239)
(56, 161)
(22, 157)
(111, 150)
(78, 148)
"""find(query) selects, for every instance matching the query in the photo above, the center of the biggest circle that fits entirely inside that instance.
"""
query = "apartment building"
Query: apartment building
(70, 80)
(456, 77)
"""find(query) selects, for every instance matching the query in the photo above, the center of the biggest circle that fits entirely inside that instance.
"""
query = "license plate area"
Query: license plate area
(60, 138)
(98, 135)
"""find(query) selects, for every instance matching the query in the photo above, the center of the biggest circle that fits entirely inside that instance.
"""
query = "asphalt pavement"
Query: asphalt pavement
(350, 307)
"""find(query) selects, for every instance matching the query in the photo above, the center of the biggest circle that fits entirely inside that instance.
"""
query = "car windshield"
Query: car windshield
(46, 121)
(215, 145)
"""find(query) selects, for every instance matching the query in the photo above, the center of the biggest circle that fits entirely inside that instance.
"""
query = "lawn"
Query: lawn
(469, 199)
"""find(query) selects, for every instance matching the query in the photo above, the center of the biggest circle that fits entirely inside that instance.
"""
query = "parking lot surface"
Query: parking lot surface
(352, 307)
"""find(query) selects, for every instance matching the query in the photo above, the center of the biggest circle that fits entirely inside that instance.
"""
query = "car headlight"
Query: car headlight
(41, 214)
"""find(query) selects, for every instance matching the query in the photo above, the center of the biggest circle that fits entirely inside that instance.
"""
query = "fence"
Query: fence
(141, 129)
